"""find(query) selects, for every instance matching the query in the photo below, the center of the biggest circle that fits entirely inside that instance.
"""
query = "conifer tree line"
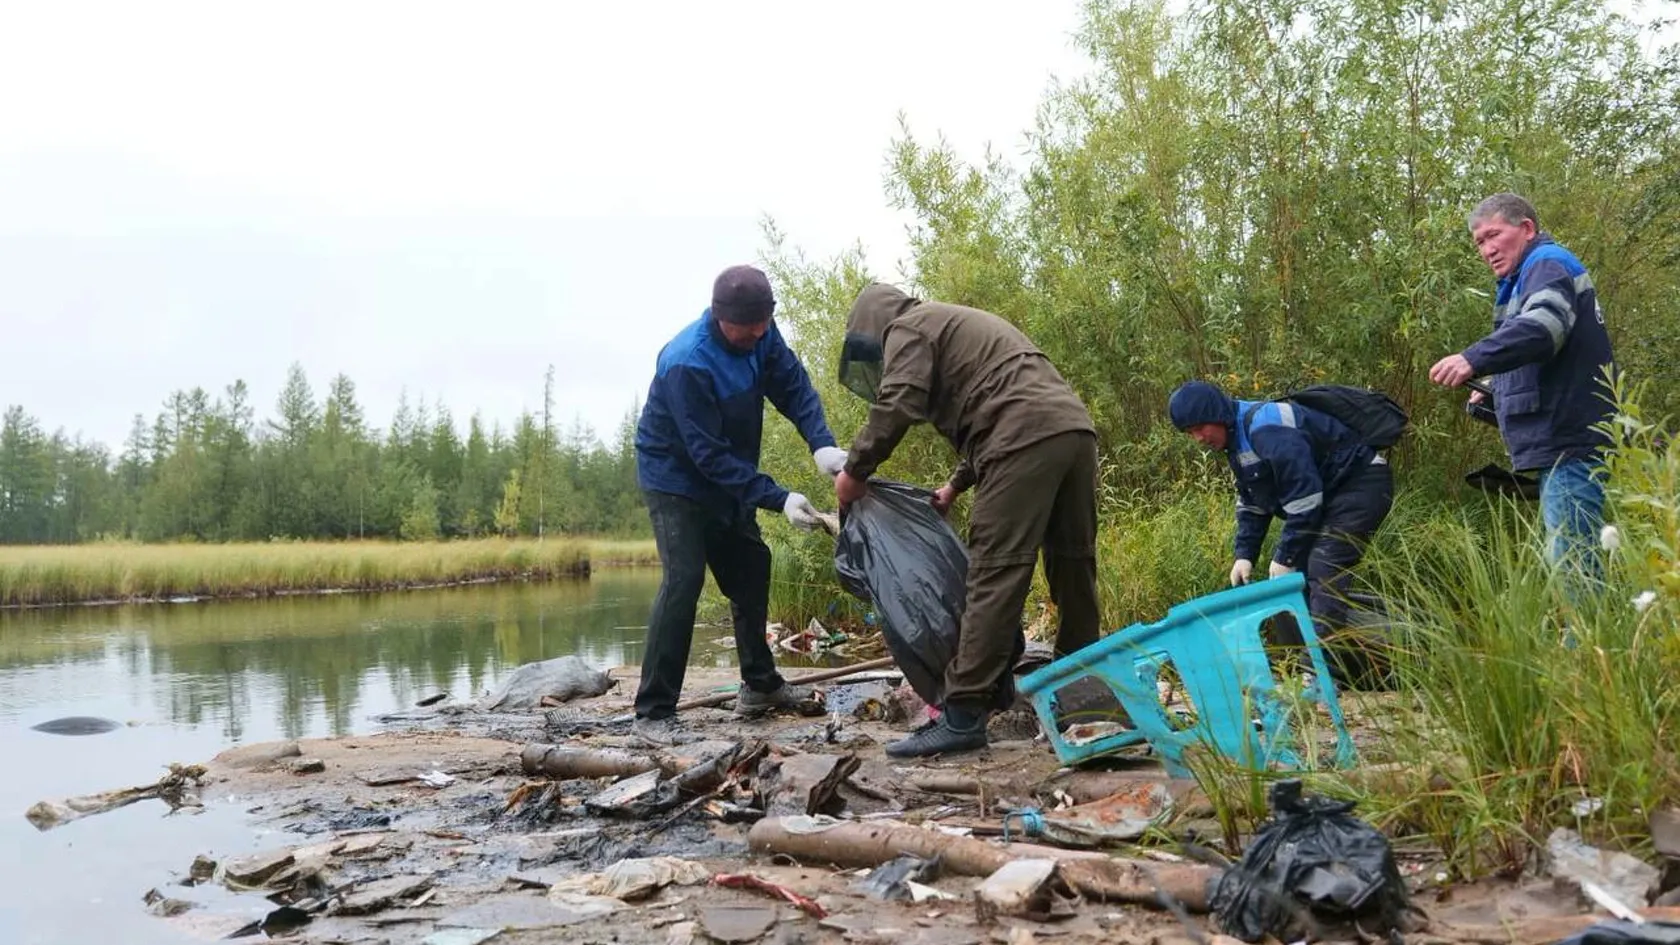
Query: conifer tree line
(205, 468)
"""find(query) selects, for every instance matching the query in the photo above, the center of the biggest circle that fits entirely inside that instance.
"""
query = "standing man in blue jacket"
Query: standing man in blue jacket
(1548, 355)
(697, 449)
(1305, 466)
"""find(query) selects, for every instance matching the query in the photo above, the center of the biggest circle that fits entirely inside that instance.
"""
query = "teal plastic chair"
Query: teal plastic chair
(1215, 645)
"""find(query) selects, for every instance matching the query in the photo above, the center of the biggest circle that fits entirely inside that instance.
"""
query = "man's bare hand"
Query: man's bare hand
(1452, 371)
(942, 499)
(849, 489)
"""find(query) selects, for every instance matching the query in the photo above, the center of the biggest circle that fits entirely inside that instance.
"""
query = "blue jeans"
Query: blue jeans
(1572, 505)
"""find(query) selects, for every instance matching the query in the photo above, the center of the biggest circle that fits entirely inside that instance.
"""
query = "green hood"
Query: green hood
(861, 354)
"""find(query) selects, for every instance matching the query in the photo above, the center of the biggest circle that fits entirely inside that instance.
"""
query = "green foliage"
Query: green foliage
(1272, 193)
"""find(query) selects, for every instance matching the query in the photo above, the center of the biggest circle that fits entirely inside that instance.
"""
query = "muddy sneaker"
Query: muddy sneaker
(751, 705)
(663, 732)
(942, 737)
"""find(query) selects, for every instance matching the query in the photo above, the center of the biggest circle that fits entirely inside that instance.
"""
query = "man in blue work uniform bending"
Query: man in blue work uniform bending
(1305, 466)
(697, 448)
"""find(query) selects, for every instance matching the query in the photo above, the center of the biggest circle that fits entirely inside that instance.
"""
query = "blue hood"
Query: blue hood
(1200, 402)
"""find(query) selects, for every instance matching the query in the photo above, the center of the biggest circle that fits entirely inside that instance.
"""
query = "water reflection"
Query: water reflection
(314, 665)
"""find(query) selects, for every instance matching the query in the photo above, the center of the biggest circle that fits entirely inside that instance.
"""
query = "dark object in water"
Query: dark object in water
(77, 725)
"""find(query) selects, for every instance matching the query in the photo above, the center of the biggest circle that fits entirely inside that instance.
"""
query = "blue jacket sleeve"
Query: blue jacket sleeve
(693, 404)
(1538, 329)
(789, 388)
(1253, 522)
(1300, 490)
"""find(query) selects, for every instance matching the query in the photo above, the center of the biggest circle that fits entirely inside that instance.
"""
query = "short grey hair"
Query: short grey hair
(1508, 207)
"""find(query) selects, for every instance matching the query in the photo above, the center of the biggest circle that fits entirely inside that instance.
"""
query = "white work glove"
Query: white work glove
(830, 460)
(1279, 570)
(1241, 571)
(800, 511)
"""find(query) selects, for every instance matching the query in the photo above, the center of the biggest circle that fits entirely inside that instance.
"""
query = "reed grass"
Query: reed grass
(112, 571)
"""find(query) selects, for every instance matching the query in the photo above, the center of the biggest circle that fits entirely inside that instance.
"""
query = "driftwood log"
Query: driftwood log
(1092, 874)
(174, 788)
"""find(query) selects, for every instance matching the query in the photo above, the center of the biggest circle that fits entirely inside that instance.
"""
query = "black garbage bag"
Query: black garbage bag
(895, 552)
(1313, 860)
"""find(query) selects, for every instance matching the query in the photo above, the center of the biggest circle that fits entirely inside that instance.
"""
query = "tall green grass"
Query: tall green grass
(32, 575)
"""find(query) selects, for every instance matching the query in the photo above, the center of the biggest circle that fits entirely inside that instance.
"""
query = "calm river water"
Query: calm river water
(192, 679)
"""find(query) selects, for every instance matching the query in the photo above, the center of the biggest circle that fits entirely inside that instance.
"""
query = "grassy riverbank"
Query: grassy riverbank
(64, 574)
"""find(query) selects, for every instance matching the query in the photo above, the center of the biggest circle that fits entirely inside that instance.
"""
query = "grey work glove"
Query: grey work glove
(800, 512)
(829, 459)
(1241, 572)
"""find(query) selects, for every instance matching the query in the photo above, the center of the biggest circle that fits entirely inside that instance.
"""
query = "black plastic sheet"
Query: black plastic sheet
(1312, 861)
(896, 552)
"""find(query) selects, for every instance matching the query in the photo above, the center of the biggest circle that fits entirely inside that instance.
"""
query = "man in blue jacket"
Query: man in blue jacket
(697, 449)
(1548, 354)
(1305, 466)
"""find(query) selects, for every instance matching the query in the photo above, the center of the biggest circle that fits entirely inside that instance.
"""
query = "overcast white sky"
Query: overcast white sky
(449, 197)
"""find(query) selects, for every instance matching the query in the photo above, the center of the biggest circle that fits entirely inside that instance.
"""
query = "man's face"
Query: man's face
(742, 337)
(1210, 435)
(1501, 243)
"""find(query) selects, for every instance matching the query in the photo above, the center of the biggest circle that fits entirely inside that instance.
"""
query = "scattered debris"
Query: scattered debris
(1015, 888)
(432, 699)
(1627, 878)
(749, 881)
(202, 870)
(897, 878)
(1115, 819)
(175, 789)
(461, 936)
(635, 879)
(734, 924)
(515, 912)
(254, 872)
(436, 779)
(160, 905)
(561, 679)
(257, 757)
(381, 893)
(1084, 733)
(804, 784)
(1665, 832)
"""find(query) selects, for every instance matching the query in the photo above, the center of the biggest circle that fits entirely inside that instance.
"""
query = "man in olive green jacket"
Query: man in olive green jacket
(1026, 441)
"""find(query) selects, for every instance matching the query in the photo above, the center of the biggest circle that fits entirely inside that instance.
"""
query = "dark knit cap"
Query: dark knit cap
(1199, 402)
(742, 295)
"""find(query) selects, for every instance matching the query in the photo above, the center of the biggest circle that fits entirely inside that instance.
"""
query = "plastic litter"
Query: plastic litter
(895, 551)
(897, 878)
(1312, 860)
(1627, 878)
(563, 679)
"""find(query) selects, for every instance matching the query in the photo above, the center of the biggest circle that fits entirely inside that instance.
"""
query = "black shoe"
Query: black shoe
(954, 731)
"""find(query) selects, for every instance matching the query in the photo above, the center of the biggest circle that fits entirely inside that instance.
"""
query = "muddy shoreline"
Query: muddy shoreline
(437, 810)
